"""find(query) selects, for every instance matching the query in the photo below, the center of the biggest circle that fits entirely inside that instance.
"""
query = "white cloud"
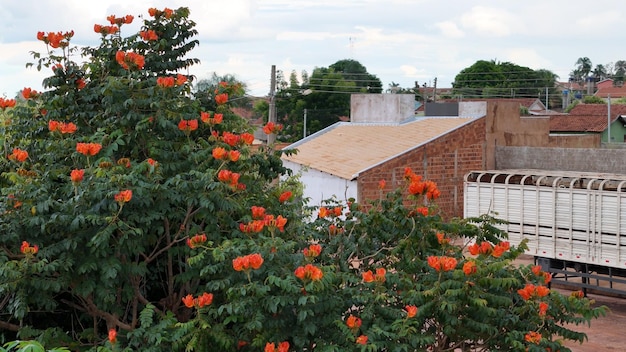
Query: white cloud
(490, 21)
(450, 29)
(299, 36)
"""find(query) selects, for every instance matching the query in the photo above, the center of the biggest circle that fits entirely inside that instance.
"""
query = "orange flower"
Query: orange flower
(6, 103)
(368, 276)
(88, 149)
(231, 139)
(285, 196)
(165, 82)
(180, 79)
(152, 11)
(309, 272)
(547, 277)
(536, 269)
(577, 294)
(80, 83)
(77, 175)
(380, 275)
(130, 60)
(254, 226)
(361, 340)
(533, 337)
(543, 308)
(353, 322)
(28, 93)
(283, 346)
(542, 291)
(278, 222)
(124, 196)
(527, 291)
(500, 248)
(441, 238)
(26, 248)
(188, 125)
(422, 210)
(442, 263)
(250, 261)
(246, 138)
(219, 153)
(215, 120)
(270, 347)
(221, 98)
(258, 212)
(234, 155)
(334, 229)
(469, 268)
(313, 251)
(18, 155)
(205, 300)
(188, 301)
(148, 35)
(66, 128)
(411, 311)
(382, 184)
(112, 336)
(151, 161)
(323, 212)
(196, 240)
(271, 127)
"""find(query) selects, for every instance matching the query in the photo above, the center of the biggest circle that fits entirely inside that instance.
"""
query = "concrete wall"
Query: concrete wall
(381, 107)
(445, 161)
(566, 159)
(319, 186)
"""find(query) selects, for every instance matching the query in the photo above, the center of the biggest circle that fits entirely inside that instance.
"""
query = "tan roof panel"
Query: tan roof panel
(346, 149)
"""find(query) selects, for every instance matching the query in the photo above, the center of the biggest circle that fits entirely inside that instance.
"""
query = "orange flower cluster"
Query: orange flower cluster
(257, 212)
(80, 83)
(56, 39)
(188, 125)
(334, 230)
(124, 196)
(128, 19)
(282, 347)
(28, 93)
(203, 300)
(324, 212)
(443, 263)
(12, 199)
(26, 248)
(18, 155)
(6, 103)
(148, 35)
(285, 196)
(382, 184)
(88, 149)
(422, 210)
(411, 311)
(354, 323)
(379, 277)
(271, 127)
(105, 30)
(212, 121)
(547, 277)
(313, 251)
(533, 337)
(232, 178)
(221, 99)
(247, 262)
(361, 340)
(112, 336)
(254, 226)
(233, 139)
(278, 222)
(309, 272)
(531, 290)
(220, 153)
(170, 81)
(63, 127)
(129, 60)
(543, 308)
(469, 268)
(577, 294)
(419, 187)
(441, 238)
(196, 240)
(167, 13)
(77, 175)
(487, 248)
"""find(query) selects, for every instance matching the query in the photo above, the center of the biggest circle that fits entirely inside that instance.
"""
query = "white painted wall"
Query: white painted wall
(381, 107)
(320, 185)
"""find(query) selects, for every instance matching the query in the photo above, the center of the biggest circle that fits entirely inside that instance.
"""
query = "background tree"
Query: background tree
(582, 70)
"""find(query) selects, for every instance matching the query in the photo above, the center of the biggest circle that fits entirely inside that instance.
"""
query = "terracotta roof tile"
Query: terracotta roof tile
(586, 118)
(346, 149)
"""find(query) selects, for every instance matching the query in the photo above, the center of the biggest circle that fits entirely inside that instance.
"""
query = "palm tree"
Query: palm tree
(584, 67)
(600, 72)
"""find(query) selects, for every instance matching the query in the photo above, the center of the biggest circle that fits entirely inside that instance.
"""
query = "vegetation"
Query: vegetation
(139, 218)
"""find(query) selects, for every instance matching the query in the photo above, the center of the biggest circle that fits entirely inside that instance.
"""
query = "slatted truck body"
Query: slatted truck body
(575, 222)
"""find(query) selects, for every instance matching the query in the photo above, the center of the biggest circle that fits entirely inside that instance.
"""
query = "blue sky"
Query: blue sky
(399, 41)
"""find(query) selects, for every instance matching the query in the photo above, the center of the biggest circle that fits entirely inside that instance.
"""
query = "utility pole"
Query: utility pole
(271, 138)
(304, 128)
(435, 91)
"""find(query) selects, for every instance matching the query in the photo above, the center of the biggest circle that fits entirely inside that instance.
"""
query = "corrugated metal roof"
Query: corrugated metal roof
(346, 149)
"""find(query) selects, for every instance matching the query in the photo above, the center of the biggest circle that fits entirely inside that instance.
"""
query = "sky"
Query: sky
(399, 41)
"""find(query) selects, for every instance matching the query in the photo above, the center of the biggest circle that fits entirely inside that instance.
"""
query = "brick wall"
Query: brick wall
(566, 159)
(445, 161)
